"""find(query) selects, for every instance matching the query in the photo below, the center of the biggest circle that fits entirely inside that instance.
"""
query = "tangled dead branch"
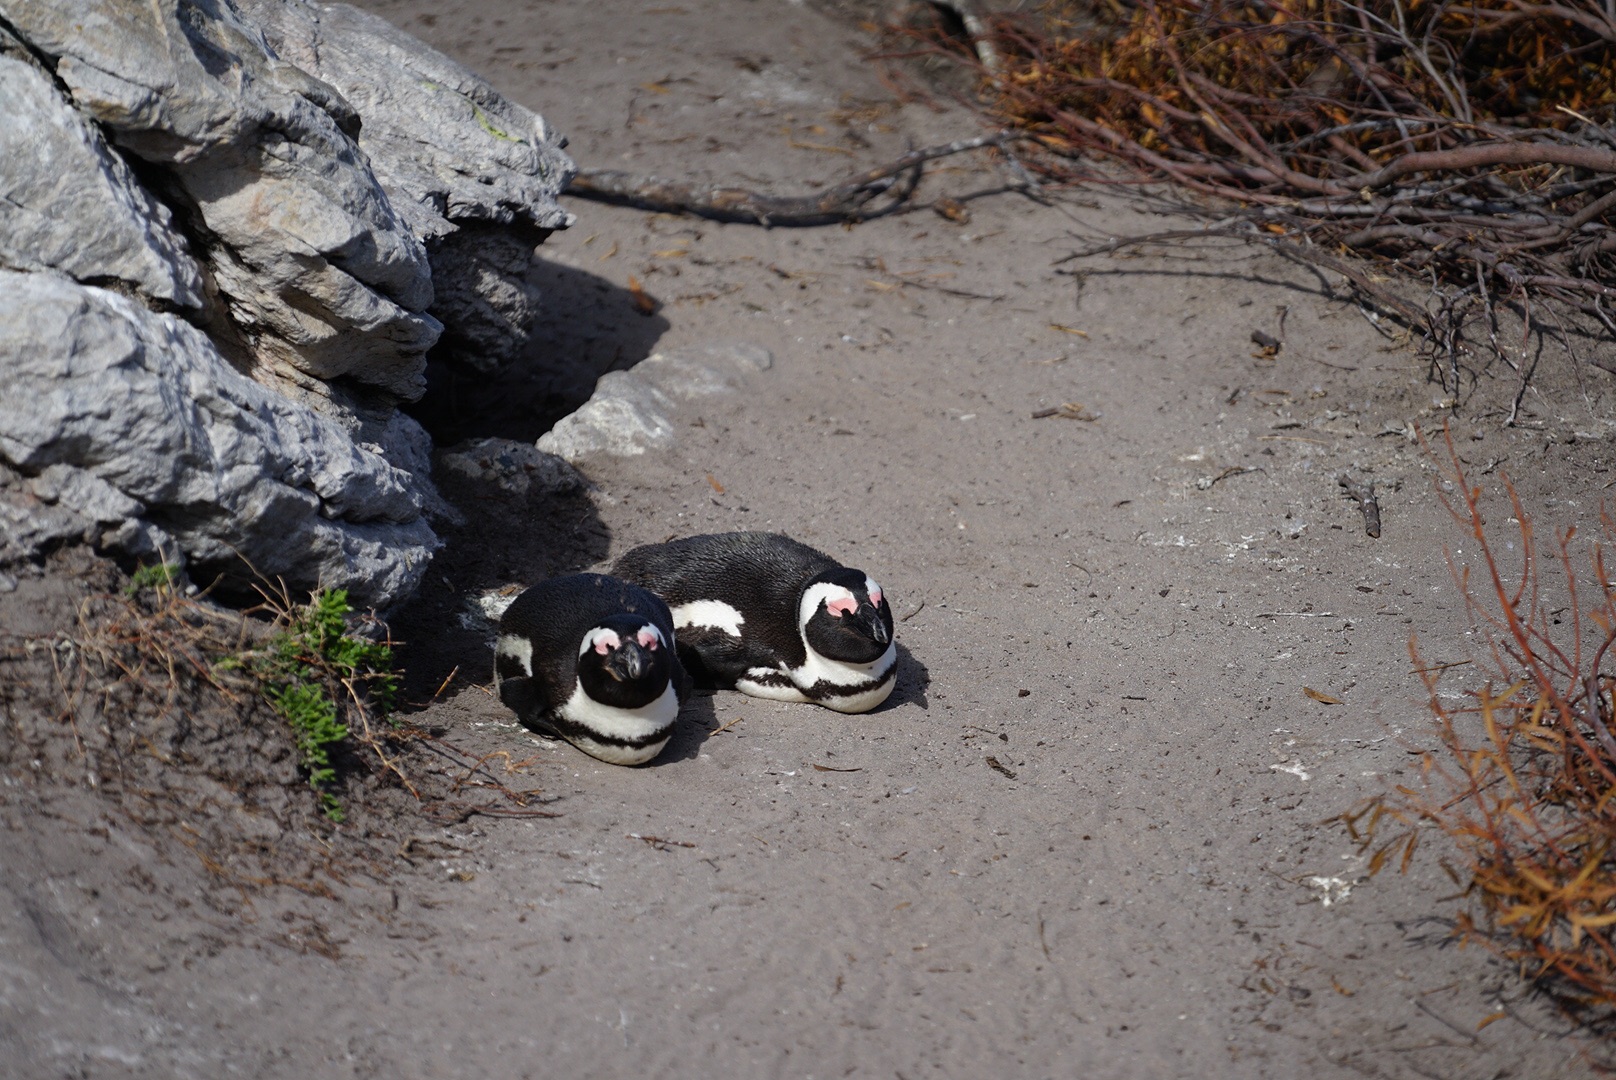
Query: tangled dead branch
(1466, 144)
(872, 193)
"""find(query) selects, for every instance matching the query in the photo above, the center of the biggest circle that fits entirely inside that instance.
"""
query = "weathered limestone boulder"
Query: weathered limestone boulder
(289, 179)
(320, 277)
(473, 175)
(133, 422)
(55, 168)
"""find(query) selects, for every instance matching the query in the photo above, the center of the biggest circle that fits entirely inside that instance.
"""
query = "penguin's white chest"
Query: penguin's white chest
(618, 727)
(835, 684)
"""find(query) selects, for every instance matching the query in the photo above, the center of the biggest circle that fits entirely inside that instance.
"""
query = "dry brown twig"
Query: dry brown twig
(1364, 493)
(1524, 780)
(853, 199)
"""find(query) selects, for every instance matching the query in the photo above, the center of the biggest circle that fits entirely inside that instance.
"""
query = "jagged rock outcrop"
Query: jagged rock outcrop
(55, 167)
(132, 420)
(320, 277)
(288, 178)
(473, 175)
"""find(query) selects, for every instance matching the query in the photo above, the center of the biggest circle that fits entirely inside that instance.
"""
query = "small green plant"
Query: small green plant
(311, 671)
(159, 577)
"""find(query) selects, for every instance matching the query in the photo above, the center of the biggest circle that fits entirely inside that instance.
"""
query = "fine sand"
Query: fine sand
(1089, 835)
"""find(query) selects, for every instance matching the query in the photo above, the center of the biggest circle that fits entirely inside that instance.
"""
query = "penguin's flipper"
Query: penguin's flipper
(714, 658)
(520, 692)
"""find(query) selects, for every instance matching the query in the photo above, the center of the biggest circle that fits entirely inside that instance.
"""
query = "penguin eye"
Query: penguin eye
(842, 607)
(649, 638)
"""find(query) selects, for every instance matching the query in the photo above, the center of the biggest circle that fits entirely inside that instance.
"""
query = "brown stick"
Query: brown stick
(847, 201)
(1470, 157)
(1365, 494)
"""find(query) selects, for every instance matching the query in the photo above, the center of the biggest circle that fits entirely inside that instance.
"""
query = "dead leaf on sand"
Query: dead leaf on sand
(1324, 699)
(996, 766)
(643, 301)
(1068, 410)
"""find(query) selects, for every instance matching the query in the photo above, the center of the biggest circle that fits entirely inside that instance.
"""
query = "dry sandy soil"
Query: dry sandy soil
(1088, 836)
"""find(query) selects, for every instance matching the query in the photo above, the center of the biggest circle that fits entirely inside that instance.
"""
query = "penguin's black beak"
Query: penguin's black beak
(629, 661)
(878, 627)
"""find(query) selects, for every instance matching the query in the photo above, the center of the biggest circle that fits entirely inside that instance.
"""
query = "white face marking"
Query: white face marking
(713, 614)
(821, 669)
(601, 639)
(835, 598)
(650, 638)
(518, 646)
(873, 590)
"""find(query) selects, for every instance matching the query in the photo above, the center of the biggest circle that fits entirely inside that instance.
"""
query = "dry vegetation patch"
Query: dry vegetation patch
(1524, 782)
(206, 727)
(1466, 145)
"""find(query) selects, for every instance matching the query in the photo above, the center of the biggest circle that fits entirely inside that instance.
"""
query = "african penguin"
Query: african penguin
(591, 659)
(771, 617)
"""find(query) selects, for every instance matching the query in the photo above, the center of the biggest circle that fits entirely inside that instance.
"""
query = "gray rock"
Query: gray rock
(112, 409)
(484, 297)
(628, 413)
(319, 275)
(702, 370)
(624, 417)
(474, 175)
(447, 146)
(28, 525)
(69, 202)
(513, 468)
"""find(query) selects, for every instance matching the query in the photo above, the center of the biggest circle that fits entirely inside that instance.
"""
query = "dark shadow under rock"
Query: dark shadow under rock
(527, 516)
(585, 327)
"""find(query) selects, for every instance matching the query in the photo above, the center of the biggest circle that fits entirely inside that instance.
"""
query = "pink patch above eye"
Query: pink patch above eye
(648, 639)
(602, 648)
(875, 597)
(842, 607)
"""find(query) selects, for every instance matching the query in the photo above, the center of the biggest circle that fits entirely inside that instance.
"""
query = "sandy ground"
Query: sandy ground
(1089, 835)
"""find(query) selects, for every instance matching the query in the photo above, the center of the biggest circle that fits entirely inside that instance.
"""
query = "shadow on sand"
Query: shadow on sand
(586, 327)
(524, 520)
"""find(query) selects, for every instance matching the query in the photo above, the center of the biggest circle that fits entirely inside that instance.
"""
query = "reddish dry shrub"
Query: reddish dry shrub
(1525, 780)
(1466, 144)
(1322, 88)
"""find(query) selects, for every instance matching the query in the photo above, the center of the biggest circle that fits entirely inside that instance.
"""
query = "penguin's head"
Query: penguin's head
(624, 662)
(845, 617)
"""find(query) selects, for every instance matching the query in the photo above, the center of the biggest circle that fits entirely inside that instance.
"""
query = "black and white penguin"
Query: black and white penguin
(592, 659)
(771, 617)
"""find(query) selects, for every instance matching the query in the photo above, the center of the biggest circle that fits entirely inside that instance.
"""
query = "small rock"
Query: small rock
(625, 417)
(628, 413)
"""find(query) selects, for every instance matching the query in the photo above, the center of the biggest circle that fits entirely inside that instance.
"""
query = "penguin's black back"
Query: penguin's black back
(553, 616)
(761, 575)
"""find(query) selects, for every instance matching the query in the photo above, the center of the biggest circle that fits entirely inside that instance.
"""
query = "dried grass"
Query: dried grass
(1525, 781)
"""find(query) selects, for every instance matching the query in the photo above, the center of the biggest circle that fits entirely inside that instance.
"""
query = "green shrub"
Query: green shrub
(313, 673)
(159, 577)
